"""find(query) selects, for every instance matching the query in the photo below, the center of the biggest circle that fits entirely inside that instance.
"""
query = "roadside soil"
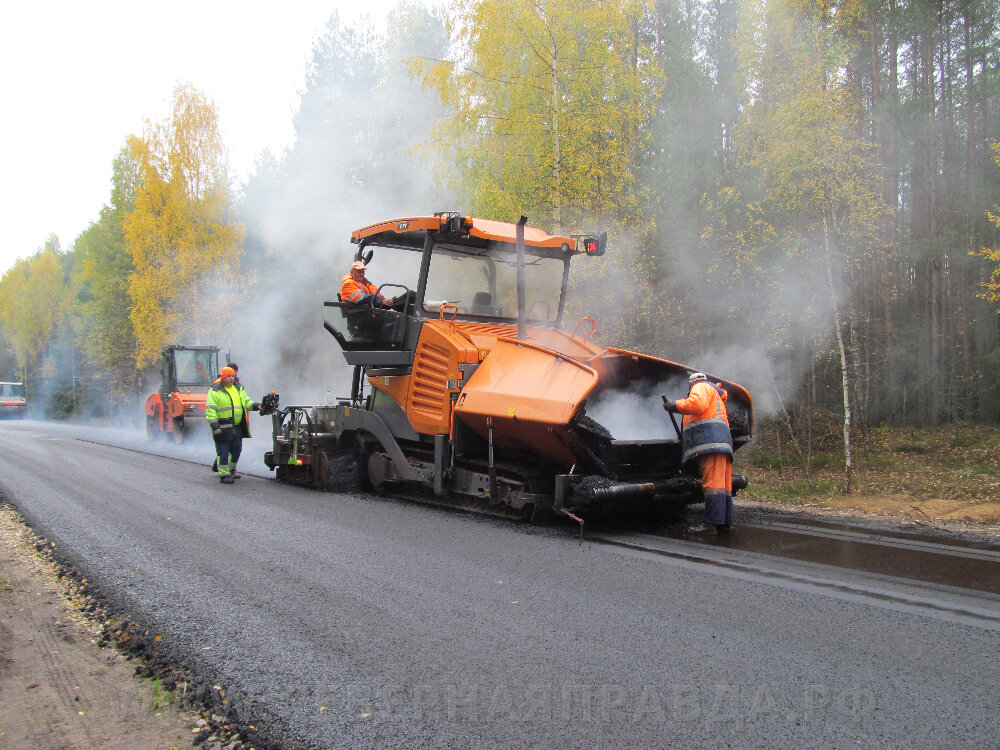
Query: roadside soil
(60, 689)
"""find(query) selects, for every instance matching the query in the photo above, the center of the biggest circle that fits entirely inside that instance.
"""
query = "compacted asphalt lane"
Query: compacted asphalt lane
(344, 620)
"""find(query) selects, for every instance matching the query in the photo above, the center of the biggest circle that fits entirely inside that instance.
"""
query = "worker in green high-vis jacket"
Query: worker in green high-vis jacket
(227, 408)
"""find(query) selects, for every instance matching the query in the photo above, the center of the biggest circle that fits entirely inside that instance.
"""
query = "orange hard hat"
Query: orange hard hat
(226, 371)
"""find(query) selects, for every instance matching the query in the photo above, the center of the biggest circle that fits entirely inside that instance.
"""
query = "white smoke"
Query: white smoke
(636, 413)
(354, 163)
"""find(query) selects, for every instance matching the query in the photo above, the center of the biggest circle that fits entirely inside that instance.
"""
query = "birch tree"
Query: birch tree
(33, 298)
(548, 100)
(185, 247)
(106, 331)
(799, 136)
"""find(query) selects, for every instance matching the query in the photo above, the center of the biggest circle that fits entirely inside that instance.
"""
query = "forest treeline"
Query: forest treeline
(801, 196)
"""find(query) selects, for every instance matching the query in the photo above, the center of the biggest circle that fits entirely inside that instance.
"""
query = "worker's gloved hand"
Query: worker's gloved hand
(217, 432)
(669, 405)
(255, 406)
(269, 403)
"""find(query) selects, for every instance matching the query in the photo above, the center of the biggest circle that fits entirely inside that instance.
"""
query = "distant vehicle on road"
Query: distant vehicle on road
(178, 407)
(12, 400)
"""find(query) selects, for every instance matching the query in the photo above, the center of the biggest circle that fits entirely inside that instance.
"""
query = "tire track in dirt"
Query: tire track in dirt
(69, 723)
(58, 691)
(5, 640)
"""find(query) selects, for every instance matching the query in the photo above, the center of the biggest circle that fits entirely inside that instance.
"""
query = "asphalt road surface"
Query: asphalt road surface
(343, 620)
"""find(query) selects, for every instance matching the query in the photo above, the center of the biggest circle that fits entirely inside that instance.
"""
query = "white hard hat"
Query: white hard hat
(697, 377)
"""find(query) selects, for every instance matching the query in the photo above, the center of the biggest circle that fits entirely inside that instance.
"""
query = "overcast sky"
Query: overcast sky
(77, 78)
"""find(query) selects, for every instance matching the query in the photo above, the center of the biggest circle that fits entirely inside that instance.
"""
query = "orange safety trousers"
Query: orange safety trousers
(717, 483)
(716, 472)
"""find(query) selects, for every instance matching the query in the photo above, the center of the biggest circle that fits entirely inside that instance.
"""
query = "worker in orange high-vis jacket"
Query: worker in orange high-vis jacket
(358, 290)
(706, 438)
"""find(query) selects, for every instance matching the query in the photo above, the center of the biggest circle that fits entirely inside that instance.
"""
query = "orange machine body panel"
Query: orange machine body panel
(426, 395)
(178, 404)
(528, 394)
(542, 380)
(486, 229)
(186, 403)
(154, 406)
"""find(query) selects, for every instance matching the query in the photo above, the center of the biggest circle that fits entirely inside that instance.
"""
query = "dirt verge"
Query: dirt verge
(71, 677)
(59, 689)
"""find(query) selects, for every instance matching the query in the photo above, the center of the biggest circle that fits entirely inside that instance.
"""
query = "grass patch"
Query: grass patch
(956, 460)
(821, 461)
(160, 696)
(871, 460)
(767, 460)
(771, 461)
(981, 469)
(791, 490)
(942, 463)
(964, 440)
(910, 448)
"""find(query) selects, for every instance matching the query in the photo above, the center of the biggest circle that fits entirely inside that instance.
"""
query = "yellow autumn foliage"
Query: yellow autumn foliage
(991, 288)
(33, 298)
(548, 101)
(186, 250)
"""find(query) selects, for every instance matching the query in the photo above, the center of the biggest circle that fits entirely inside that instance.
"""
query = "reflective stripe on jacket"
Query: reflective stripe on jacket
(356, 291)
(228, 407)
(706, 424)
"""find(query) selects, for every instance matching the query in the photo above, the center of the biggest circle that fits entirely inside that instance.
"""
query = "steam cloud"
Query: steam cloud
(636, 413)
(300, 209)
